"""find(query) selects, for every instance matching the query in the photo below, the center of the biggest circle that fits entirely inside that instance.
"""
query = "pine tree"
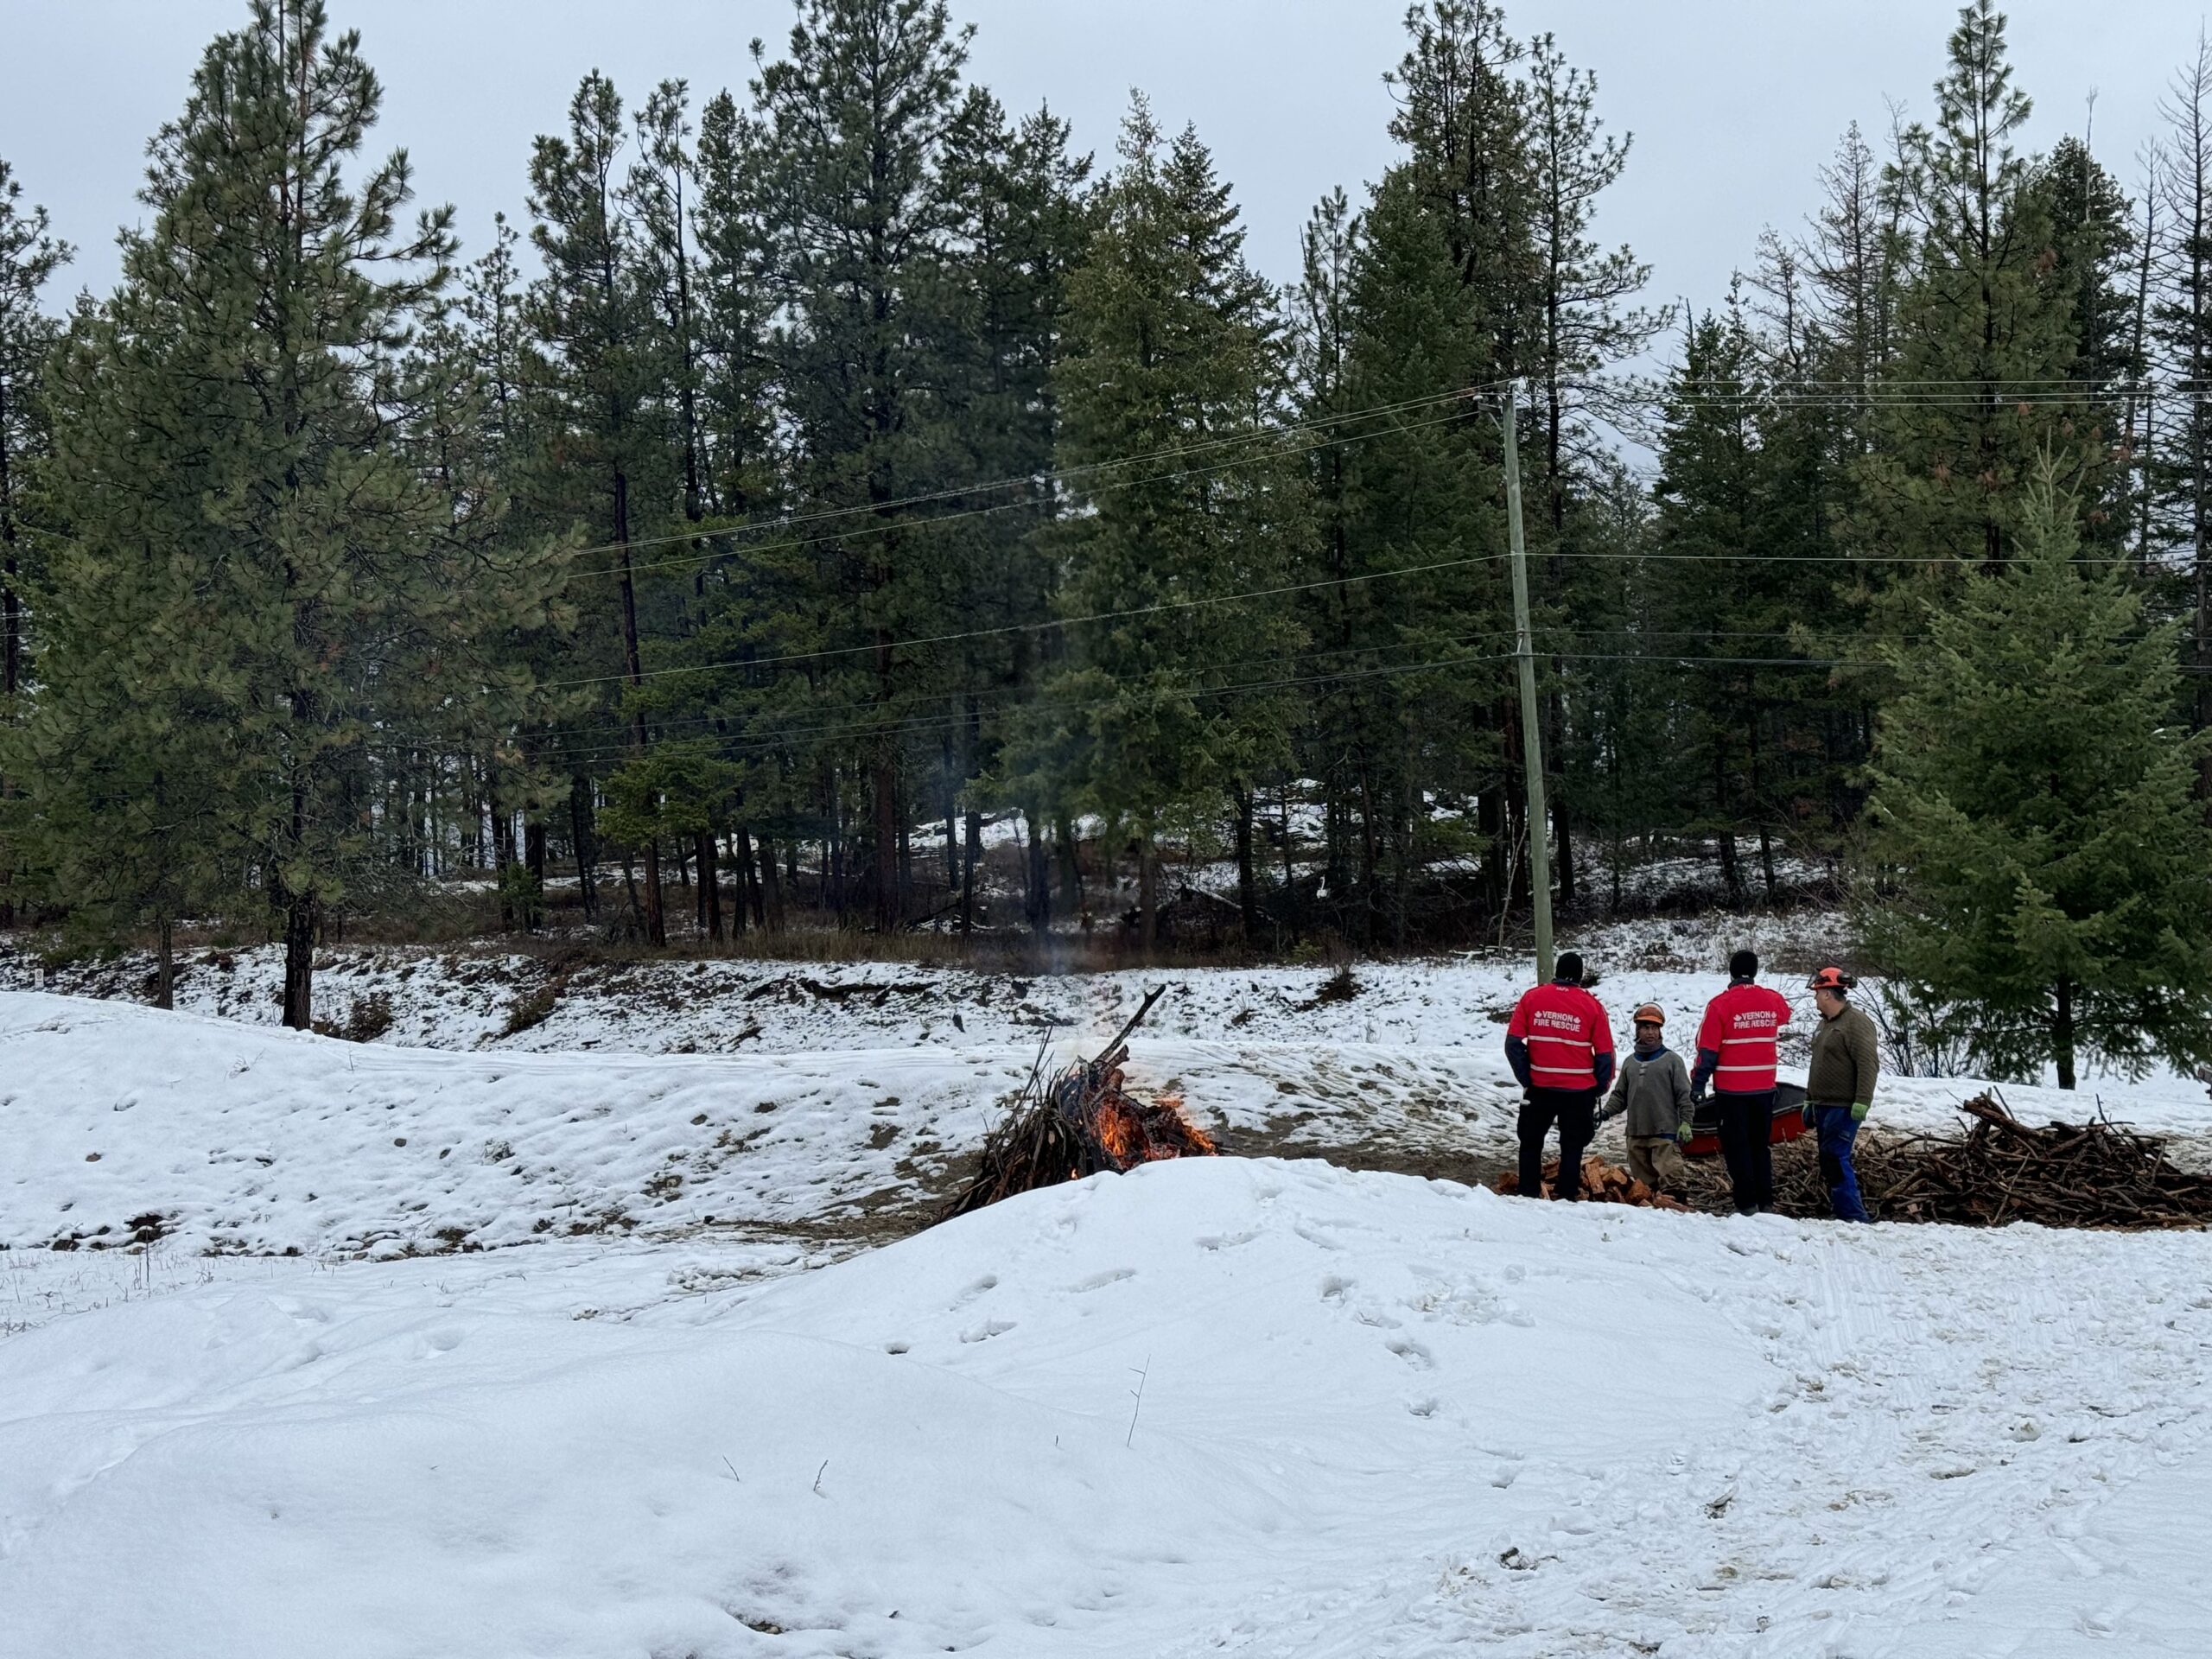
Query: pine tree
(2092, 274)
(2033, 802)
(1983, 338)
(1409, 669)
(1173, 342)
(1022, 224)
(858, 221)
(28, 258)
(1469, 161)
(1710, 498)
(1852, 264)
(1587, 327)
(745, 466)
(256, 551)
(606, 459)
(2181, 473)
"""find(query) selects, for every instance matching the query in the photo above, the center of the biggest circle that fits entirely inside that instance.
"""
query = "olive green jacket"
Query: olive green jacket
(1846, 1060)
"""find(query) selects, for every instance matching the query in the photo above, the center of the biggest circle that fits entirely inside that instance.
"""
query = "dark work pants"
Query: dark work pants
(1837, 1132)
(1575, 1112)
(1747, 1132)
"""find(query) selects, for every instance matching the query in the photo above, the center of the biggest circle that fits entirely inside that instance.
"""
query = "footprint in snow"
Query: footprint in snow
(1412, 1352)
(1100, 1280)
(988, 1281)
(1225, 1241)
(987, 1330)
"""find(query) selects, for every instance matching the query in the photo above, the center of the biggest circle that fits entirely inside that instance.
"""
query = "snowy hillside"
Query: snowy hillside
(587, 1348)
(1378, 1416)
(253, 1139)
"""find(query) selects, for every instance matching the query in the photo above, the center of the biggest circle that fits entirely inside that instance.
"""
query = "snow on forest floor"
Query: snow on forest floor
(722, 1399)
(1379, 1416)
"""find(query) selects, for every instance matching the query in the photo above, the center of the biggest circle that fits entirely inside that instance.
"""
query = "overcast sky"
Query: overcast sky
(1733, 103)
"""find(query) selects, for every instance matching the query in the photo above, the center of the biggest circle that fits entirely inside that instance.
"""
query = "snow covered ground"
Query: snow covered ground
(235, 1138)
(1378, 1416)
(609, 1332)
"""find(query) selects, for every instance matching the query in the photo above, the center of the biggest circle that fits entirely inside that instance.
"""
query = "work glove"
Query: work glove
(1859, 1109)
(1810, 1114)
(1684, 1132)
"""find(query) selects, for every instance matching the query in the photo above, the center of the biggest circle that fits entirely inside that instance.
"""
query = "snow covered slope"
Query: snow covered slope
(1378, 1417)
(252, 1138)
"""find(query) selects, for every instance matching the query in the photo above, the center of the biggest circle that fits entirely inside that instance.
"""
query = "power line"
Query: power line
(1035, 482)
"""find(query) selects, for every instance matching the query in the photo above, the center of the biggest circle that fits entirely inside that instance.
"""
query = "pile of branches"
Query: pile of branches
(2094, 1174)
(1080, 1120)
(1602, 1183)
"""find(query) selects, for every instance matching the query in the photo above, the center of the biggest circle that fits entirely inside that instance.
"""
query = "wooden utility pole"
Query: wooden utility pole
(1532, 750)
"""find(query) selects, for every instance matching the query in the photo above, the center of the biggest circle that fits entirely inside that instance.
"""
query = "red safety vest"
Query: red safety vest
(1565, 1029)
(1741, 1026)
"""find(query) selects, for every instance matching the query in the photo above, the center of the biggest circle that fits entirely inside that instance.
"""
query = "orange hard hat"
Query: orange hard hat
(1650, 1014)
(1831, 979)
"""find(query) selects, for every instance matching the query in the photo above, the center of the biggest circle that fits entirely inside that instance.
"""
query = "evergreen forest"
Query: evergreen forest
(836, 504)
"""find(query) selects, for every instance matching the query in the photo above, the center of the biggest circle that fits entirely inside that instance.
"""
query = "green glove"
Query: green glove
(1685, 1133)
(1859, 1109)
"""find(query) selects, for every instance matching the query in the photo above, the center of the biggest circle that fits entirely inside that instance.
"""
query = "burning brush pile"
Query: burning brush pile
(1078, 1122)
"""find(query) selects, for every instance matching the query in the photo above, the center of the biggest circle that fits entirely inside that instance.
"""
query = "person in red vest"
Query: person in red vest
(1736, 1054)
(1561, 1046)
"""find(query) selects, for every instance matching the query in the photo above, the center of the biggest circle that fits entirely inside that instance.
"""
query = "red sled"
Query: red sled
(1789, 1121)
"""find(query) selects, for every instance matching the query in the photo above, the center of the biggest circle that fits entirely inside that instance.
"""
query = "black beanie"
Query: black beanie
(1570, 967)
(1744, 964)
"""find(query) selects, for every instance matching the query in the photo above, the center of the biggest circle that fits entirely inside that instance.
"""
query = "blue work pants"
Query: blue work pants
(1838, 1130)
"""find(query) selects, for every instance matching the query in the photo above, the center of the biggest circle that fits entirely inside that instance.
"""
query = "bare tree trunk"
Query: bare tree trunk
(1147, 891)
(2062, 1033)
(1369, 853)
(1247, 883)
(1758, 806)
(971, 854)
(503, 859)
(884, 785)
(656, 923)
(1070, 855)
(735, 853)
(1038, 897)
(533, 845)
(710, 887)
(630, 889)
(299, 960)
(165, 966)
(770, 896)
(580, 834)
